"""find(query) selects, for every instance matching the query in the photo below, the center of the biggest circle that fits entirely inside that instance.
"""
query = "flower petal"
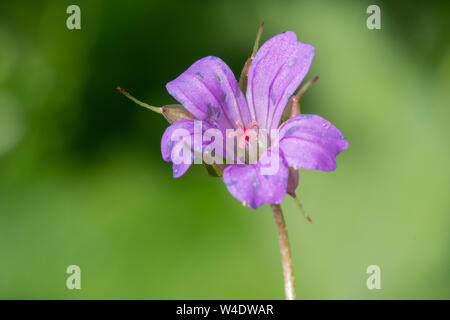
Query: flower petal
(277, 70)
(310, 142)
(178, 142)
(209, 90)
(254, 184)
(181, 168)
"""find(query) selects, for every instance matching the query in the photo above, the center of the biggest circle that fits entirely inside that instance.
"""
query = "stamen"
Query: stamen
(234, 134)
(244, 133)
(252, 125)
(240, 125)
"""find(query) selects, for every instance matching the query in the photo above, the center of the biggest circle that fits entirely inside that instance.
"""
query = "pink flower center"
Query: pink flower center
(244, 133)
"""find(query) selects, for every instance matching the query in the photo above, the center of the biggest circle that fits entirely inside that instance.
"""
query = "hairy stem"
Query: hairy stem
(286, 260)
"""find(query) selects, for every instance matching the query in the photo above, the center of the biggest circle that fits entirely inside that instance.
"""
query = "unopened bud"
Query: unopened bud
(172, 112)
(175, 112)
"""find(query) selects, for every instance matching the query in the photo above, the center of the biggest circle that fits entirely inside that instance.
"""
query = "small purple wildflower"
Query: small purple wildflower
(210, 92)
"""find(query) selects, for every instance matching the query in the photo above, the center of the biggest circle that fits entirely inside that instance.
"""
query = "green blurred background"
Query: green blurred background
(82, 180)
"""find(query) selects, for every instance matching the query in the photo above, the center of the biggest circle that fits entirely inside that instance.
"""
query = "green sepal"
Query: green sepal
(213, 170)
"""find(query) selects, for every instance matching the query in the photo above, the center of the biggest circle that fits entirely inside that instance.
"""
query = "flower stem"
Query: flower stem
(286, 260)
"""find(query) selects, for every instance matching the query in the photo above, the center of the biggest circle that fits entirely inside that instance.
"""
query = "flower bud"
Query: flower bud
(172, 112)
(175, 112)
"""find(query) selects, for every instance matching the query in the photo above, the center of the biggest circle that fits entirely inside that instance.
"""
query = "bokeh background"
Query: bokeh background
(82, 180)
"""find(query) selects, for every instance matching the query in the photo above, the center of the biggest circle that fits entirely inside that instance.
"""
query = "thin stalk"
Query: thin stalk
(244, 74)
(295, 100)
(302, 209)
(286, 259)
(142, 104)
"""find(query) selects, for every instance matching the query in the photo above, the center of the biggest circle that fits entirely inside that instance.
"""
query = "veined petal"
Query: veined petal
(209, 90)
(256, 184)
(277, 70)
(311, 142)
(180, 140)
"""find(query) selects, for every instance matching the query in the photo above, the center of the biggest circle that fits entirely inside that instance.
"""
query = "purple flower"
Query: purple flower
(210, 92)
